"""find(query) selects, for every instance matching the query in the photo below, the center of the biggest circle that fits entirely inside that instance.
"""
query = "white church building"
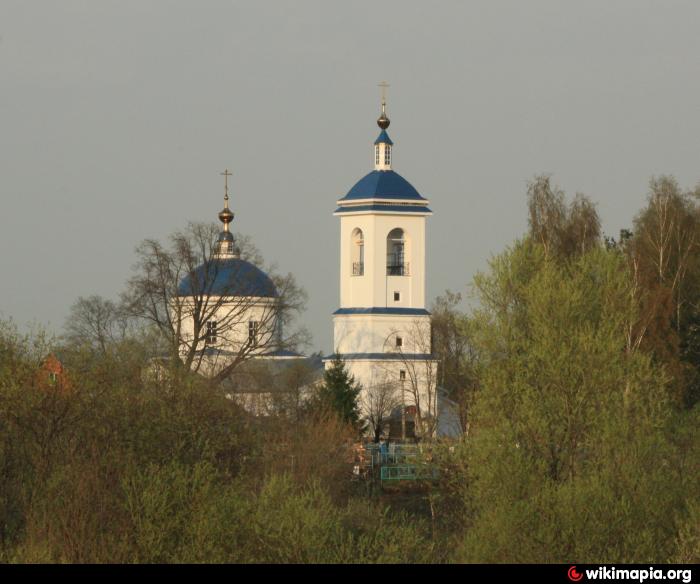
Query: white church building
(227, 309)
(382, 328)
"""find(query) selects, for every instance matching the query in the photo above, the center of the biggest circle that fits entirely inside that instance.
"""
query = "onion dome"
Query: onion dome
(228, 277)
(227, 274)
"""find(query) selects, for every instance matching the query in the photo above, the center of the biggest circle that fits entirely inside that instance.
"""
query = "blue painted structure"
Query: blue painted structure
(385, 208)
(384, 310)
(382, 357)
(383, 184)
(227, 277)
(383, 138)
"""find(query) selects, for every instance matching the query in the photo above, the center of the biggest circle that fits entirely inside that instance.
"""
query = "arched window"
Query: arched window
(358, 253)
(395, 249)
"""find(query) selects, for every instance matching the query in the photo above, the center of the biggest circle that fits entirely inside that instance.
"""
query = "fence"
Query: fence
(398, 462)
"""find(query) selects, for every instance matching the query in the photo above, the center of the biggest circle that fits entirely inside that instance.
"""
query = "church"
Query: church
(382, 329)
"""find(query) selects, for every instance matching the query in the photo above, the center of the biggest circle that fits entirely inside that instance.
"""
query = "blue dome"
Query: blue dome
(228, 277)
(383, 184)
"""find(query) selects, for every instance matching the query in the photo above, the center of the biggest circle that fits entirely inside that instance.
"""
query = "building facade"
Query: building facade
(226, 310)
(382, 327)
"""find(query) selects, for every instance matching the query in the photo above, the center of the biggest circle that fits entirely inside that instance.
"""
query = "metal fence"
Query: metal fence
(398, 462)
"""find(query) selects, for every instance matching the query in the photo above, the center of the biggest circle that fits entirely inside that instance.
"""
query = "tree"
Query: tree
(296, 384)
(664, 253)
(583, 226)
(153, 294)
(378, 403)
(562, 231)
(96, 322)
(667, 238)
(547, 213)
(455, 351)
(420, 383)
(565, 416)
(340, 393)
(555, 360)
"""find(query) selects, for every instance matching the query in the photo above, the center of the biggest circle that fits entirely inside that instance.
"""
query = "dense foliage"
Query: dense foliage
(340, 393)
(576, 378)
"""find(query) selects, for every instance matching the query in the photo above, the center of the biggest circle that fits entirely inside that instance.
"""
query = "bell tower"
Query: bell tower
(382, 327)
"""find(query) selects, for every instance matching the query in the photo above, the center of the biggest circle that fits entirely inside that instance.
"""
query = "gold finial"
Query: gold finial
(383, 121)
(226, 174)
(226, 216)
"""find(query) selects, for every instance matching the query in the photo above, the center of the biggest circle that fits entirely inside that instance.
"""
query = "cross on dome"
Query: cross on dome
(226, 247)
(383, 144)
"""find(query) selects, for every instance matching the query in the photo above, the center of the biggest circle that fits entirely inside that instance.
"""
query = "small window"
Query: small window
(402, 375)
(397, 296)
(387, 154)
(210, 338)
(376, 154)
(53, 378)
(399, 342)
(253, 333)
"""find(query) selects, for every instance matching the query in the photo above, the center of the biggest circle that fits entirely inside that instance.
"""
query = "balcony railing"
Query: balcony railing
(393, 269)
(358, 268)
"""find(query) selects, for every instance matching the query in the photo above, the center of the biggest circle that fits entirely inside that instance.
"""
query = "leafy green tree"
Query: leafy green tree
(569, 426)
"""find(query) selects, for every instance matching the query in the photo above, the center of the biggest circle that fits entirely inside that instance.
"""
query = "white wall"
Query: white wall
(375, 288)
(420, 381)
(368, 340)
(374, 336)
(232, 319)
(370, 333)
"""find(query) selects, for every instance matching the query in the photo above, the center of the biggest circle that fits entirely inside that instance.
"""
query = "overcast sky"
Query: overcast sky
(117, 117)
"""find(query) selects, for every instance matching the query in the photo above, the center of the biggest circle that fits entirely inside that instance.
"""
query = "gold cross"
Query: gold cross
(226, 174)
(383, 85)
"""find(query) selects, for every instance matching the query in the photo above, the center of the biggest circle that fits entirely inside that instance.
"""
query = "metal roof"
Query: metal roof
(383, 138)
(383, 184)
(228, 277)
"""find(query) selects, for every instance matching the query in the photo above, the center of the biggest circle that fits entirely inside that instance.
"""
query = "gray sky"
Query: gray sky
(116, 118)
